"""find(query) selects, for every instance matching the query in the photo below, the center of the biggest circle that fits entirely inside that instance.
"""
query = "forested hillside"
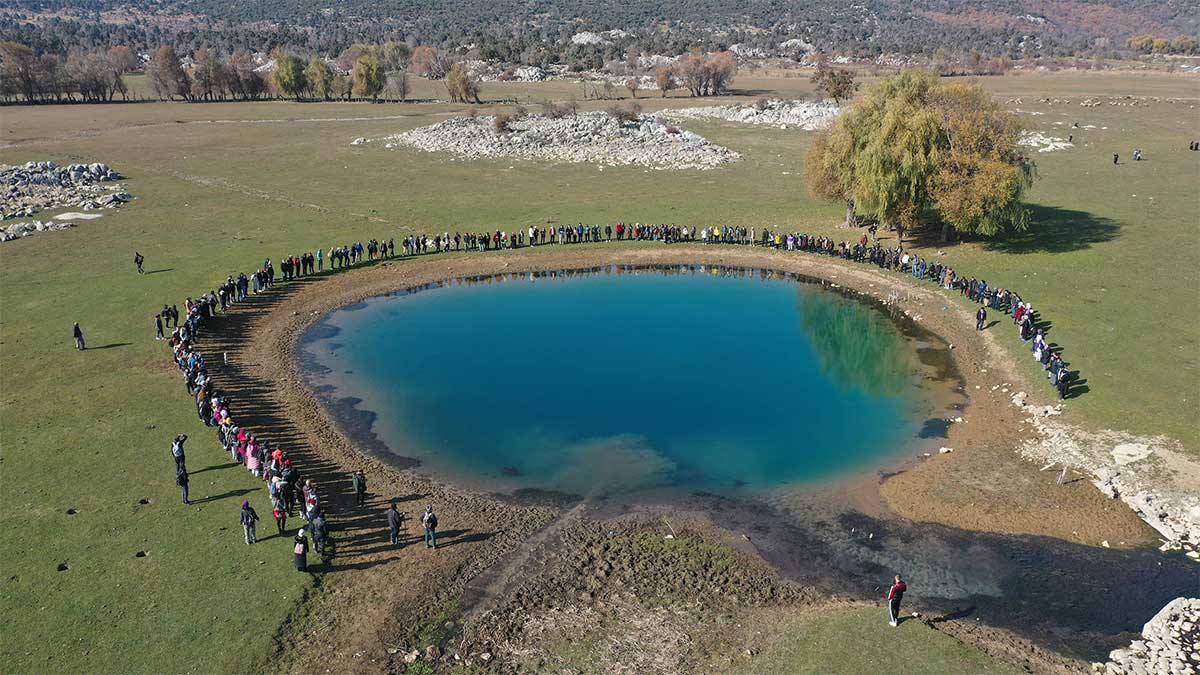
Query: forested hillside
(533, 31)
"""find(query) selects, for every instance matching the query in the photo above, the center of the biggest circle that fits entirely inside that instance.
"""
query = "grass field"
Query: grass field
(859, 640)
(1111, 261)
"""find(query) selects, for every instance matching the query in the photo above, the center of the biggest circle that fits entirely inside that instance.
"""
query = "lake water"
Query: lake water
(607, 381)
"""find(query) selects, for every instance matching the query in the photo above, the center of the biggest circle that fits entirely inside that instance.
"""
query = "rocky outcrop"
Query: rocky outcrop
(587, 137)
(1149, 474)
(1170, 643)
(35, 186)
(805, 115)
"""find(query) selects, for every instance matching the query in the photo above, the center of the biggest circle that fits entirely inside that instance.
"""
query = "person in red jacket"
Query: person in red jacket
(895, 595)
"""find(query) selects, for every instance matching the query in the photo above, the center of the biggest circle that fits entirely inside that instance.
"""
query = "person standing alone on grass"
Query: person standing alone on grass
(395, 520)
(158, 327)
(249, 520)
(359, 480)
(181, 479)
(78, 333)
(429, 521)
(895, 595)
(139, 259)
(177, 451)
(980, 318)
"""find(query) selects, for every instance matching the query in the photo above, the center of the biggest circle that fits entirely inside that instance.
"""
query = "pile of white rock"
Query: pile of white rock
(1044, 143)
(587, 137)
(17, 230)
(35, 186)
(785, 114)
(1170, 643)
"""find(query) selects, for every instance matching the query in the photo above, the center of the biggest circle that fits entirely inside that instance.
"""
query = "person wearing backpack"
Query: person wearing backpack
(177, 452)
(300, 551)
(249, 519)
(429, 521)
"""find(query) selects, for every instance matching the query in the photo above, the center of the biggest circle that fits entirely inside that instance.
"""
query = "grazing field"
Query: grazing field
(1110, 260)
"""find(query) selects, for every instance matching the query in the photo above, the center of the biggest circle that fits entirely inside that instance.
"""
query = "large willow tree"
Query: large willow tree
(914, 150)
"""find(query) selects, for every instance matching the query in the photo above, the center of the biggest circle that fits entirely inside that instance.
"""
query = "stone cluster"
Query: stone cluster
(35, 186)
(1044, 142)
(16, 230)
(587, 137)
(1170, 643)
(806, 115)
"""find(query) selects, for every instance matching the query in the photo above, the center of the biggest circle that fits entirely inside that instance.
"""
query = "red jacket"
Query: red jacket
(897, 590)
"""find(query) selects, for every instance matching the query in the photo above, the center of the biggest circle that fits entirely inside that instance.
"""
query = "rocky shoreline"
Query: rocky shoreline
(1170, 643)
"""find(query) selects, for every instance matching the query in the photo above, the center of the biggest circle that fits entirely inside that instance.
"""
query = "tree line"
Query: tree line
(95, 76)
(361, 71)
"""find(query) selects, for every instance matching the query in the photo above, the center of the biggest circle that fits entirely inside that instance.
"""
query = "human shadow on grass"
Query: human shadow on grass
(111, 345)
(224, 495)
(216, 467)
(164, 269)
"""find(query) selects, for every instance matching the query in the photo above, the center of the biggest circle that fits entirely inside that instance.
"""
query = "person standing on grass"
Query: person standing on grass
(300, 551)
(139, 259)
(895, 595)
(249, 521)
(430, 521)
(320, 533)
(395, 521)
(78, 334)
(158, 327)
(181, 479)
(359, 480)
(177, 451)
(280, 518)
(980, 318)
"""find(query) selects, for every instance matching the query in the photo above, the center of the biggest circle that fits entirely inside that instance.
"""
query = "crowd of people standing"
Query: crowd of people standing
(292, 493)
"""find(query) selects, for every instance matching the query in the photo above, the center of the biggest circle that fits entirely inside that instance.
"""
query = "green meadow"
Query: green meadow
(1111, 261)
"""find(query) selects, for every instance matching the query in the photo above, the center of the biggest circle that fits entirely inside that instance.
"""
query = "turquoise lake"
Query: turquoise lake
(607, 381)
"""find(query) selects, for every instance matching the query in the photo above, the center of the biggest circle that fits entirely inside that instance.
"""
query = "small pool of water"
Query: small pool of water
(607, 381)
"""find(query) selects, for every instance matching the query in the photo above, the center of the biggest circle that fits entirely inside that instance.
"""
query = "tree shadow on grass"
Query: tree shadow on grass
(1055, 230)
(1051, 230)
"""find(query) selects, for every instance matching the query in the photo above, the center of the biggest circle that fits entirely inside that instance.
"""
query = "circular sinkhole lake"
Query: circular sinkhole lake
(604, 381)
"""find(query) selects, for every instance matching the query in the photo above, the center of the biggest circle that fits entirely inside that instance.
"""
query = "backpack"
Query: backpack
(301, 548)
(431, 521)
